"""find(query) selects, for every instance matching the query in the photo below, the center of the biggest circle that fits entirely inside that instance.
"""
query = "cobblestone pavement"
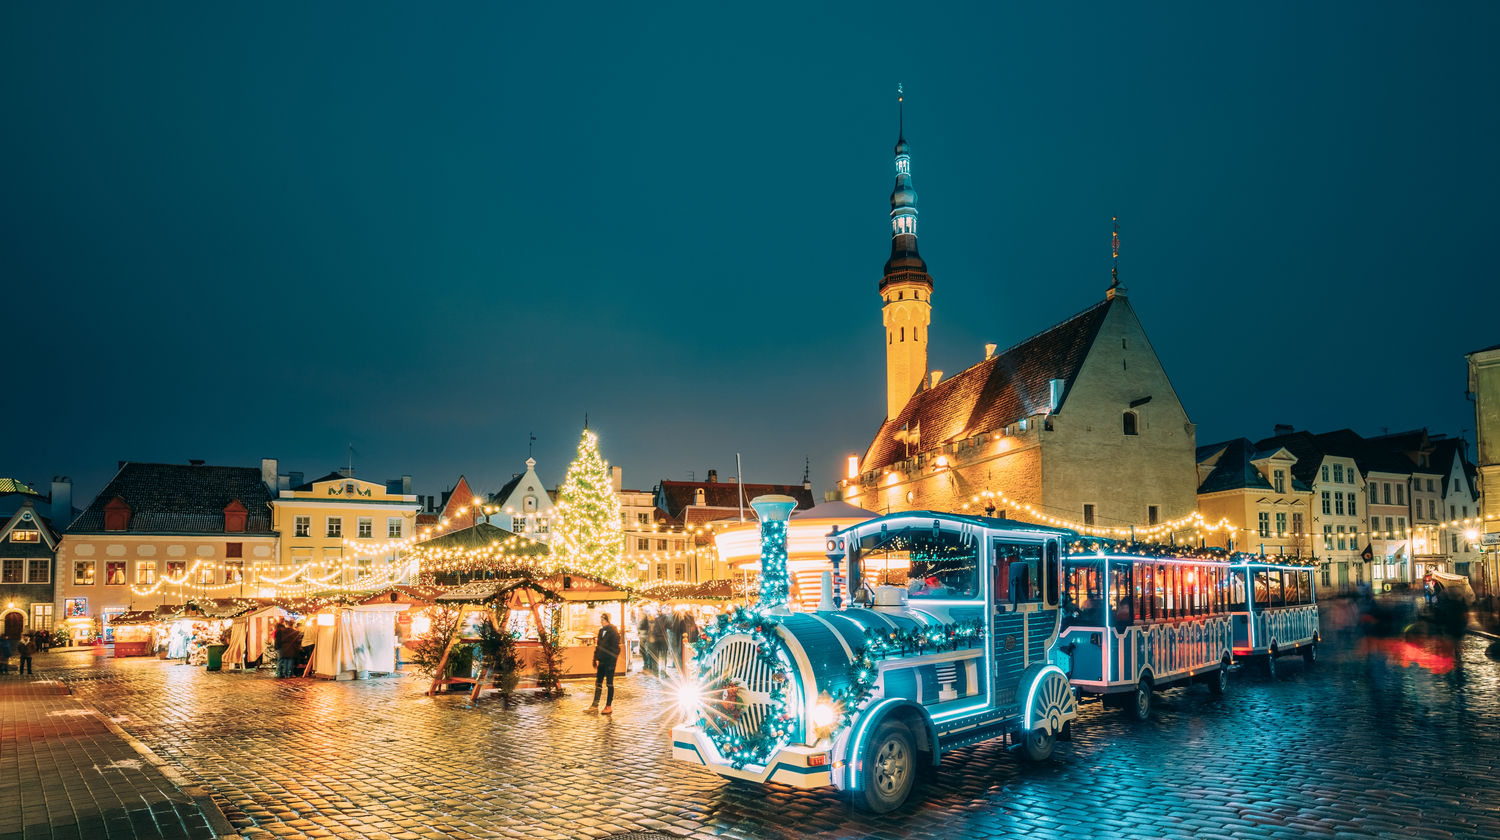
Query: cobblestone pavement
(1351, 746)
(68, 772)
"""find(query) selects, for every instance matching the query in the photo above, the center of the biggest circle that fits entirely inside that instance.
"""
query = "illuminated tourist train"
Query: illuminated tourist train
(944, 634)
(1137, 622)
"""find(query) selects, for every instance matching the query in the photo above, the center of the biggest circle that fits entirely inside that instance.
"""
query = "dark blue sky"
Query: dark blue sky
(236, 232)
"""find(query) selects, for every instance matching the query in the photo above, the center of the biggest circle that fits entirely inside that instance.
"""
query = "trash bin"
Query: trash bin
(216, 656)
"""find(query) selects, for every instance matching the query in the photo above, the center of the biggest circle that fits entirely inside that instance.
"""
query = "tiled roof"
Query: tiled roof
(1306, 448)
(1370, 457)
(178, 498)
(703, 515)
(11, 485)
(483, 534)
(677, 496)
(994, 393)
(1234, 470)
(462, 495)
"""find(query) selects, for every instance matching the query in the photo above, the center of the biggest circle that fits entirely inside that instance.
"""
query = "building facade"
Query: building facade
(1078, 424)
(1337, 521)
(29, 535)
(1259, 494)
(524, 506)
(332, 530)
(162, 534)
(1484, 390)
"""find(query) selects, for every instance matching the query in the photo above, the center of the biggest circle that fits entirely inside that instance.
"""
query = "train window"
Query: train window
(1018, 569)
(1052, 574)
(1235, 591)
(1083, 594)
(1121, 600)
(931, 564)
(1304, 586)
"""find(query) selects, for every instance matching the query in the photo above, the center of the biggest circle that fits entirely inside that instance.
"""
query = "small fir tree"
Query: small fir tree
(588, 536)
(549, 662)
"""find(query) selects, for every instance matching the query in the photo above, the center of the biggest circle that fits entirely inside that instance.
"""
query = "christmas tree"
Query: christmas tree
(587, 536)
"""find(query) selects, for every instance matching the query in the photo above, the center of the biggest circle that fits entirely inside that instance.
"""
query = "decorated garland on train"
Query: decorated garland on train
(1085, 545)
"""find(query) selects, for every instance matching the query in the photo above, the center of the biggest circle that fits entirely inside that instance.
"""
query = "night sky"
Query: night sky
(230, 231)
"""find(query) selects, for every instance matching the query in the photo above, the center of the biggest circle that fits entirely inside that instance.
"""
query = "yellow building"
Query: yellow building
(1257, 492)
(333, 527)
(1484, 388)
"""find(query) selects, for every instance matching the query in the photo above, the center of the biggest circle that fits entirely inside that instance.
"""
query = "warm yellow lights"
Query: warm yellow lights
(853, 471)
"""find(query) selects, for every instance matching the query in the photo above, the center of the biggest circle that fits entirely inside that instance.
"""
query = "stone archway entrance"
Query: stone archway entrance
(14, 623)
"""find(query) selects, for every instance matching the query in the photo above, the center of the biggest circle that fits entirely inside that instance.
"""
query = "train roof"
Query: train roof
(992, 523)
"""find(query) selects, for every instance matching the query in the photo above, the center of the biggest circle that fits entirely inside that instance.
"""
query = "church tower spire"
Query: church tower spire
(906, 287)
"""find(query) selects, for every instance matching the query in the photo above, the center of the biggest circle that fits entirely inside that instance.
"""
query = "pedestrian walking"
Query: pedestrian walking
(659, 643)
(606, 655)
(648, 655)
(26, 648)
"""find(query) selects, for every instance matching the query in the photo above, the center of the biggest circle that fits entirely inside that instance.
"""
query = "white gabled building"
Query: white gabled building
(525, 506)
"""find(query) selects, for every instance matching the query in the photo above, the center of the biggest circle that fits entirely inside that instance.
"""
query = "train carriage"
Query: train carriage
(936, 631)
(1138, 622)
(1275, 611)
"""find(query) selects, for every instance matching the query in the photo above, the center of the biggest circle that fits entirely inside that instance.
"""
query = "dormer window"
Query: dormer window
(116, 515)
(234, 517)
(26, 536)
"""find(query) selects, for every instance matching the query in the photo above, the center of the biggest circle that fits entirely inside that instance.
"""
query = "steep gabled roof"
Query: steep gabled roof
(1234, 470)
(1370, 457)
(181, 499)
(994, 393)
(11, 485)
(1306, 448)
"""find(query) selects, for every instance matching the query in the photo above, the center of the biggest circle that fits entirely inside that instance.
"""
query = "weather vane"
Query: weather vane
(900, 94)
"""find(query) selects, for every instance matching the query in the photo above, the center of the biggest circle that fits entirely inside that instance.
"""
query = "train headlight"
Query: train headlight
(824, 717)
(689, 699)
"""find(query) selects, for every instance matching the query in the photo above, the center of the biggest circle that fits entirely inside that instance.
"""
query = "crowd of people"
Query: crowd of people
(286, 638)
(662, 637)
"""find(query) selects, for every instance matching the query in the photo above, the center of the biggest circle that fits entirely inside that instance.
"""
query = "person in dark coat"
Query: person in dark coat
(606, 656)
(288, 648)
(659, 642)
(648, 654)
(25, 650)
(4, 654)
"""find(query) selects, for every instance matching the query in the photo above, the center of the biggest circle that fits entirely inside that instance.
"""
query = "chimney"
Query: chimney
(61, 509)
(406, 485)
(936, 376)
(616, 477)
(283, 482)
(713, 476)
(1283, 429)
(989, 352)
(295, 479)
(268, 473)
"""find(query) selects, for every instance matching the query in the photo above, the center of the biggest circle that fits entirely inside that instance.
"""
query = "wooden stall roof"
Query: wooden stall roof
(402, 593)
(491, 590)
(134, 617)
(708, 591)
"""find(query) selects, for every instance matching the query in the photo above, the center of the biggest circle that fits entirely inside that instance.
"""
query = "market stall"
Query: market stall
(353, 641)
(415, 620)
(135, 633)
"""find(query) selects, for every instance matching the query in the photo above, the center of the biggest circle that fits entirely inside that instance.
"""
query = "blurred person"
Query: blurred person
(25, 649)
(648, 653)
(606, 656)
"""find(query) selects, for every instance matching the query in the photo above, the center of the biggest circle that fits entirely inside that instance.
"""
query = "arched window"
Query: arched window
(1130, 425)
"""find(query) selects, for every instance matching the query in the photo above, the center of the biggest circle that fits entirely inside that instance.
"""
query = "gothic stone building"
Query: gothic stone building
(1078, 422)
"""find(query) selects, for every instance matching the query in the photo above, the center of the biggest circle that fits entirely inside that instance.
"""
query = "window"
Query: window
(661, 545)
(1352, 511)
(642, 544)
(1327, 577)
(1265, 524)
(643, 518)
(1088, 514)
(1466, 511)
(679, 572)
(145, 572)
(1390, 525)
(1374, 493)
(41, 616)
(206, 576)
(1338, 473)
(304, 526)
(1129, 422)
(1338, 503)
(234, 549)
(1325, 472)
(1453, 511)
(1400, 494)
(1327, 503)
(114, 573)
(1401, 524)
(39, 570)
(1429, 486)
(1455, 542)
(366, 527)
(1297, 524)
(83, 573)
(1455, 485)
(335, 526)
(1386, 492)
(393, 527)
(25, 536)
(1153, 514)
(1280, 524)
(1328, 537)
(234, 572)
(1342, 544)
(1278, 478)
(176, 569)
(1431, 509)
(661, 570)
(10, 570)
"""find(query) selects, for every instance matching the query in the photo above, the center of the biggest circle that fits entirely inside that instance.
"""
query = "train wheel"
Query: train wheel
(1219, 682)
(1140, 705)
(1037, 745)
(1268, 666)
(1310, 654)
(890, 766)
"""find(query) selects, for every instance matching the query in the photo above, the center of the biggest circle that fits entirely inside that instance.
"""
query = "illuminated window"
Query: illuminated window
(1328, 537)
(145, 572)
(27, 536)
(83, 573)
(661, 545)
(234, 572)
(206, 576)
(176, 569)
(1280, 524)
(114, 573)
(41, 616)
